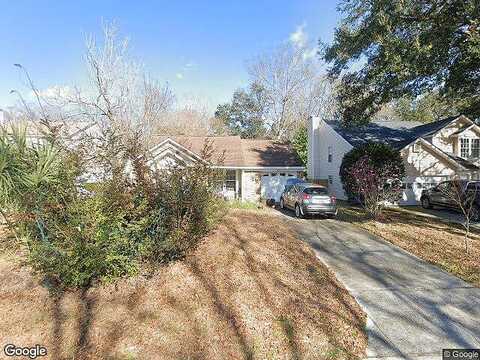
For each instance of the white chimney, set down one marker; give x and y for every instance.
(313, 147)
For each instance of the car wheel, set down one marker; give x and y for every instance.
(282, 205)
(298, 212)
(426, 203)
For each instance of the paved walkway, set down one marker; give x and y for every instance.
(445, 215)
(414, 309)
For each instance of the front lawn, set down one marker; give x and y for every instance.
(433, 240)
(250, 290)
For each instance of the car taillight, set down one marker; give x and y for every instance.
(307, 197)
(333, 199)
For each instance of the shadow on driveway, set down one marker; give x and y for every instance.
(414, 308)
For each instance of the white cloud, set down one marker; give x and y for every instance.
(299, 37)
(179, 76)
(55, 92)
(310, 53)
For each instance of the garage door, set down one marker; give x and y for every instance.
(272, 185)
(413, 187)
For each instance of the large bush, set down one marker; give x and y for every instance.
(77, 234)
(372, 174)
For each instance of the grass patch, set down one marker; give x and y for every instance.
(250, 290)
(438, 242)
(245, 205)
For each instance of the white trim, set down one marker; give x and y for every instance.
(175, 144)
(190, 154)
(467, 128)
(441, 153)
(450, 123)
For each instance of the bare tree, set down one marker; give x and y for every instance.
(294, 88)
(190, 116)
(463, 195)
(120, 94)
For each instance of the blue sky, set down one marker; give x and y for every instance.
(199, 47)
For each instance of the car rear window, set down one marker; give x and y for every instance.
(316, 191)
(473, 186)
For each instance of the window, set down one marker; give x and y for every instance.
(416, 147)
(464, 148)
(316, 191)
(230, 180)
(475, 186)
(330, 179)
(475, 148)
(330, 154)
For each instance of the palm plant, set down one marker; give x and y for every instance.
(13, 170)
(24, 170)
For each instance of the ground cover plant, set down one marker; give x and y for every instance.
(249, 290)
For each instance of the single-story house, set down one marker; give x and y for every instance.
(432, 152)
(255, 169)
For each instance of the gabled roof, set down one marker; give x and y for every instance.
(395, 133)
(232, 151)
(400, 134)
(384, 131)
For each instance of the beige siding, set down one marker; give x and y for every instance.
(251, 186)
(423, 169)
(444, 139)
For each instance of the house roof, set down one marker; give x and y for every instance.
(380, 131)
(395, 133)
(236, 152)
(399, 134)
(268, 153)
(67, 129)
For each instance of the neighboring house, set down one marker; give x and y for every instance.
(432, 152)
(71, 131)
(255, 169)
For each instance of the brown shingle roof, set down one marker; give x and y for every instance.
(268, 153)
(234, 151)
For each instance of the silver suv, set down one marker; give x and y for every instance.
(308, 199)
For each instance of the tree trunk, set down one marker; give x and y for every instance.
(466, 238)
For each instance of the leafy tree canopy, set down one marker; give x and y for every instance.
(426, 108)
(300, 144)
(244, 114)
(406, 48)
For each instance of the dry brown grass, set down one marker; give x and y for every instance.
(251, 290)
(433, 240)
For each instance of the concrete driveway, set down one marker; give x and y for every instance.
(414, 309)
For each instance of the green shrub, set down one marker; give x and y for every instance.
(372, 174)
(184, 209)
(79, 234)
